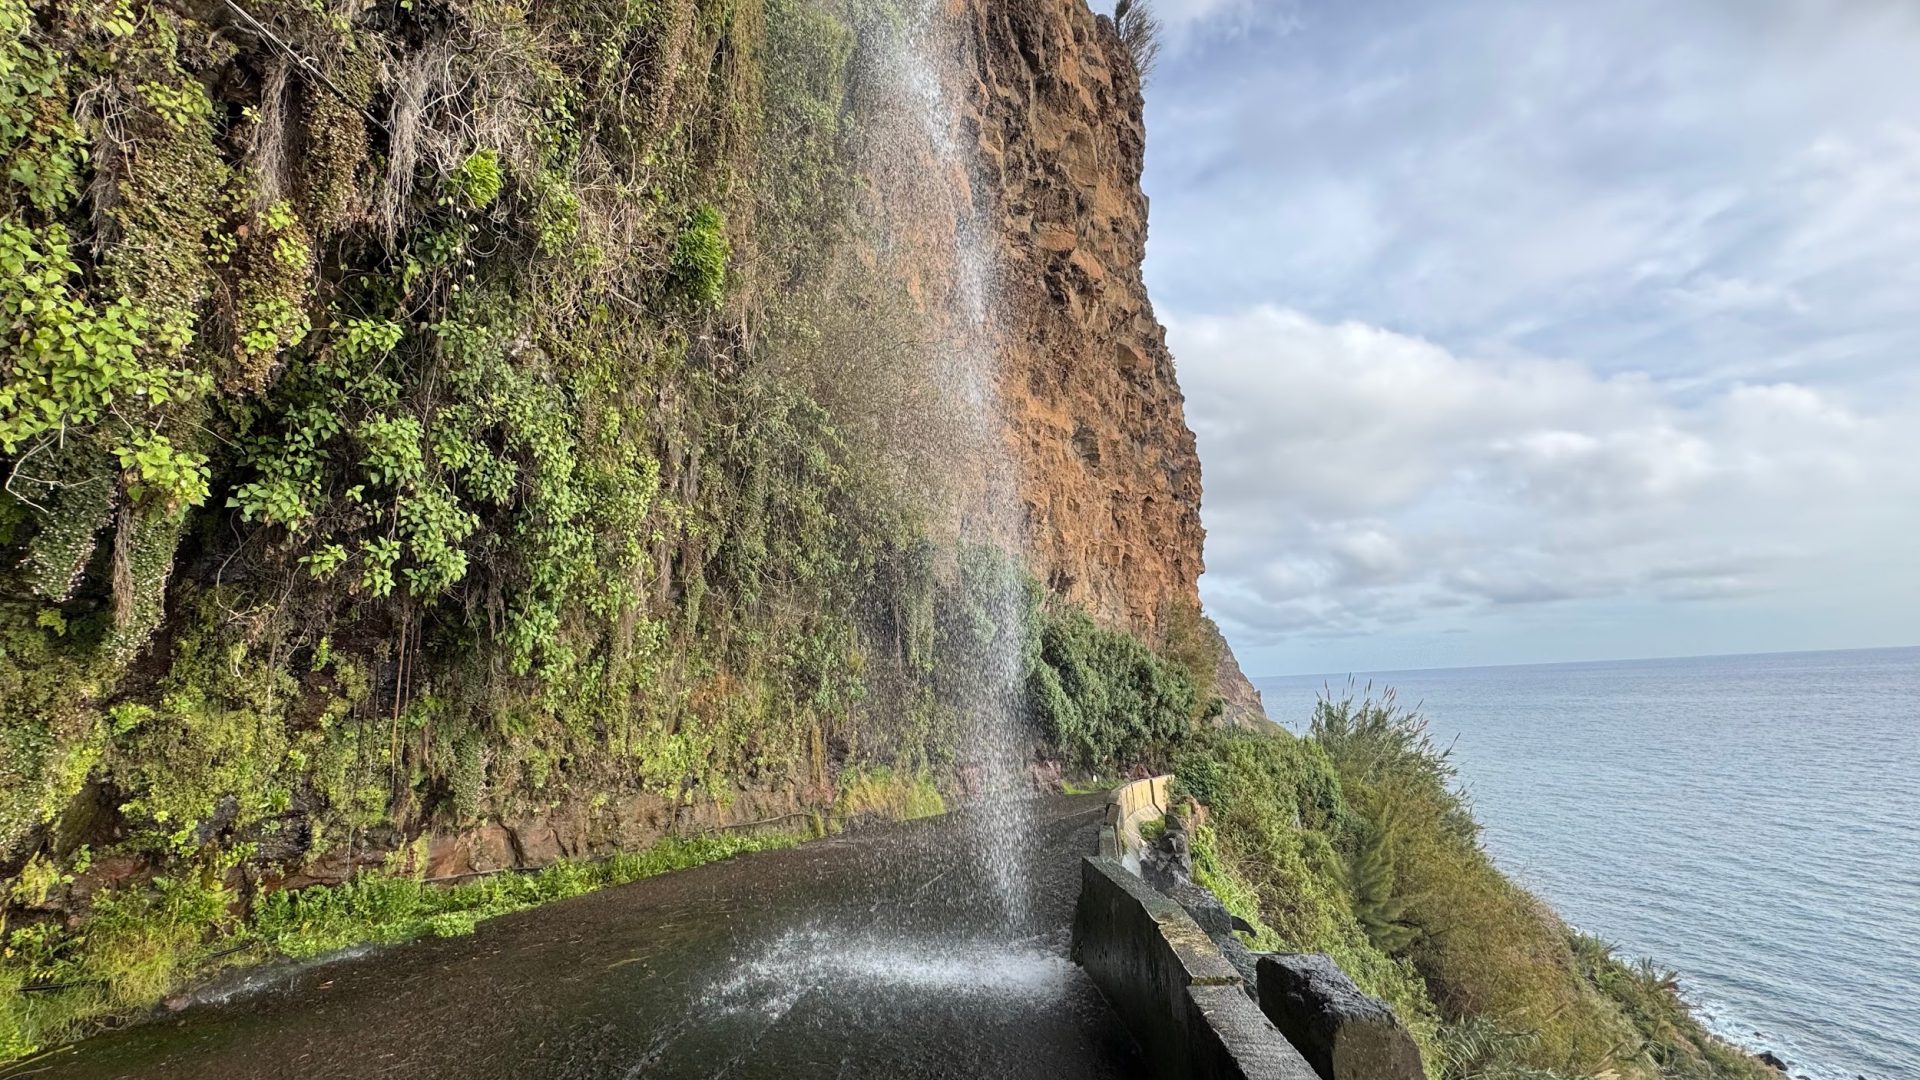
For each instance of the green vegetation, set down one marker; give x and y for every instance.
(700, 257)
(1104, 698)
(879, 794)
(384, 909)
(1092, 784)
(1354, 842)
(455, 413)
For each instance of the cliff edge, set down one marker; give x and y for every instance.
(1110, 477)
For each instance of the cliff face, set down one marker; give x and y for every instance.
(450, 437)
(1109, 475)
(524, 429)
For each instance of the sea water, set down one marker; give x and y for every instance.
(1751, 821)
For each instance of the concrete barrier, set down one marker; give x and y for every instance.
(1343, 1033)
(1187, 1007)
(1130, 806)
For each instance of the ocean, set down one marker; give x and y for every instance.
(1750, 821)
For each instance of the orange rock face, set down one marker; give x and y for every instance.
(1108, 471)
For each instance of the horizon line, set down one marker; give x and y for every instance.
(1570, 663)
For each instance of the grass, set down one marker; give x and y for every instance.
(385, 909)
(1091, 785)
(879, 793)
(1354, 842)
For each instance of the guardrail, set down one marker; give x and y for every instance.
(1128, 807)
(1187, 1007)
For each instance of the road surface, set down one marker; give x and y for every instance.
(881, 954)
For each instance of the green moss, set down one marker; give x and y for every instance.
(276, 268)
(50, 736)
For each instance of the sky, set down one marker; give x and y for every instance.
(1520, 331)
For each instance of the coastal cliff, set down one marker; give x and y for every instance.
(449, 438)
(1111, 478)
(595, 437)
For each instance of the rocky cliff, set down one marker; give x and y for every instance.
(449, 436)
(1110, 478)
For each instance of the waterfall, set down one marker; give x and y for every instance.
(932, 221)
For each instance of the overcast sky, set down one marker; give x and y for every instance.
(1524, 330)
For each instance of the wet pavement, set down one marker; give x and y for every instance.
(877, 954)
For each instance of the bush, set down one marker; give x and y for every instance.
(1271, 851)
(1485, 947)
(1103, 698)
(1140, 33)
(1353, 842)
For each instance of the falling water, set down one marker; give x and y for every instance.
(933, 225)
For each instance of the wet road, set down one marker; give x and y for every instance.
(881, 954)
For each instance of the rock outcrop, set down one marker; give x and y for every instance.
(1109, 474)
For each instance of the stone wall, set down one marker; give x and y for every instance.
(1187, 1007)
(1165, 955)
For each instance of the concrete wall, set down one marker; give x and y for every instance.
(1186, 1006)
(1130, 806)
(1343, 1033)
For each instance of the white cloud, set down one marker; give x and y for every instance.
(1524, 318)
(1359, 479)
(1709, 294)
(1631, 183)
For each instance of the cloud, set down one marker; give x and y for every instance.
(1629, 183)
(1531, 317)
(1360, 479)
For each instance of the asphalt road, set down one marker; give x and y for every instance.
(879, 954)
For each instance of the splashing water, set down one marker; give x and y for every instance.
(931, 225)
(809, 961)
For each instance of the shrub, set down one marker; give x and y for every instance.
(700, 257)
(1140, 33)
(1270, 851)
(478, 180)
(1354, 843)
(1102, 697)
(1191, 640)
